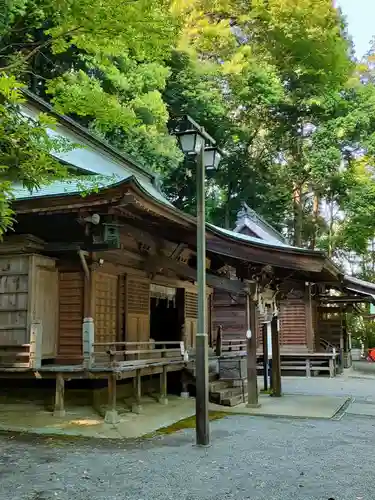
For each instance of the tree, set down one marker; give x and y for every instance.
(25, 148)
(101, 63)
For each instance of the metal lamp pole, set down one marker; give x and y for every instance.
(193, 140)
(201, 360)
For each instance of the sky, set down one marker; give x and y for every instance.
(360, 15)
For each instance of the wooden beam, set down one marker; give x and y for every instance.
(178, 250)
(158, 263)
(266, 255)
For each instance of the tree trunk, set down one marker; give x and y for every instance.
(315, 221)
(227, 208)
(330, 232)
(298, 219)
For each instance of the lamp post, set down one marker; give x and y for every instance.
(195, 141)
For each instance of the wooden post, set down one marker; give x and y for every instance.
(219, 338)
(36, 336)
(309, 318)
(251, 334)
(332, 363)
(185, 384)
(59, 410)
(276, 364)
(163, 398)
(111, 415)
(88, 335)
(265, 356)
(136, 407)
(342, 350)
(308, 367)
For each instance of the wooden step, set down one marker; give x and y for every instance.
(228, 392)
(233, 400)
(219, 385)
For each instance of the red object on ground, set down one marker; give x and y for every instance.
(371, 355)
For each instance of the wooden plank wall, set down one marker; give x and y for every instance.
(14, 299)
(46, 304)
(71, 285)
(229, 311)
(293, 326)
(105, 307)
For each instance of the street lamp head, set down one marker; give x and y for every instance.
(212, 158)
(191, 141)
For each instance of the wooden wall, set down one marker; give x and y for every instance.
(46, 302)
(105, 300)
(137, 309)
(28, 292)
(293, 322)
(14, 299)
(71, 303)
(229, 312)
(330, 325)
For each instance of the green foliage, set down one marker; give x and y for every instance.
(25, 148)
(272, 81)
(102, 63)
(362, 330)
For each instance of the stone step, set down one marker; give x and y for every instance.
(228, 392)
(218, 385)
(233, 400)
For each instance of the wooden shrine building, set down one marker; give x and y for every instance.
(104, 285)
(312, 315)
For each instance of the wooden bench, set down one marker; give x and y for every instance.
(310, 363)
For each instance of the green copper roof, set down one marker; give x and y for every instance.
(105, 165)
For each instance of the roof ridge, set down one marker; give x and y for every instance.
(255, 217)
(87, 134)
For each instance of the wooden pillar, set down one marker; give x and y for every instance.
(309, 319)
(59, 410)
(219, 338)
(185, 385)
(163, 398)
(36, 334)
(136, 407)
(111, 416)
(341, 360)
(265, 355)
(276, 363)
(347, 346)
(88, 336)
(251, 334)
(332, 367)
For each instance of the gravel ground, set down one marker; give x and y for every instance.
(250, 458)
(359, 388)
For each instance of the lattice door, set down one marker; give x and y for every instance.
(137, 297)
(106, 290)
